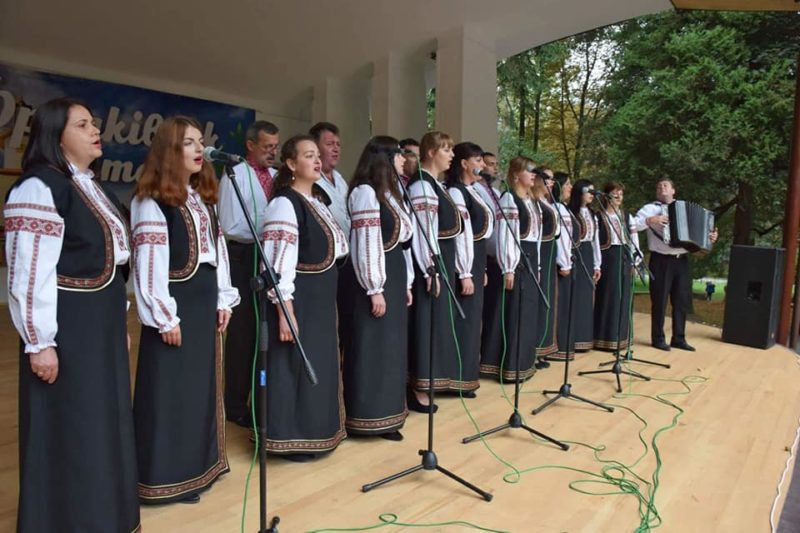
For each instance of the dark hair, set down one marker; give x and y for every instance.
(664, 178)
(319, 128)
(47, 127)
(490, 154)
(576, 198)
(461, 152)
(161, 172)
(283, 179)
(376, 168)
(257, 127)
(408, 142)
(560, 178)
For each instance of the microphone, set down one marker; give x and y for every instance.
(211, 155)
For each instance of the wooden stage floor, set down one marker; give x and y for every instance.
(720, 464)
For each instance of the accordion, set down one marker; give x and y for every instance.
(689, 226)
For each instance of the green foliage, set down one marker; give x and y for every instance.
(705, 98)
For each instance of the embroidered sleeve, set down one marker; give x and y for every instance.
(227, 294)
(156, 307)
(366, 239)
(426, 206)
(598, 257)
(409, 268)
(465, 247)
(564, 243)
(507, 234)
(634, 241)
(34, 236)
(280, 244)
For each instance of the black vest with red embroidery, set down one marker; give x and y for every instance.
(315, 243)
(478, 215)
(449, 218)
(549, 221)
(184, 251)
(524, 215)
(604, 230)
(87, 252)
(390, 226)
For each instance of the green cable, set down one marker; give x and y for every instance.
(391, 519)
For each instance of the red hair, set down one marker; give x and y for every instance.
(163, 167)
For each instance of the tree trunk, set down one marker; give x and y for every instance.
(743, 218)
(522, 98)
(537, 105)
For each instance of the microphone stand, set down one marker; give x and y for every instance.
(515, 420)
(617, 368)
(641, 268)
(261, 283)
(429, 460)
(565, 391)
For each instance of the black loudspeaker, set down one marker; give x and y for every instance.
(752, 298)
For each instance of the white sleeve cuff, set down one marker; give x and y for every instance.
(36, 348)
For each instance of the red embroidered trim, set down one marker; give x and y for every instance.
(149, 237)
(366, 223)
(36, 207)
(37, 226)
(31, 286)
(280, 235)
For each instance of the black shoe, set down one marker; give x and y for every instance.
(298, 457)
(394, 435)
(661, 345)
(414, 404)
(682, 345)
(190, 499)
(468, 394)
(242, 421)
(541, 363)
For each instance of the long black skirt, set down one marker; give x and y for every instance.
(375, 352)
(302, 418)
(583, 327)
(613, 292)
(468, 331)
(77, 457)
(546, 318)
(565, 323)
(445, 362)
(178, 406)
(519, 319)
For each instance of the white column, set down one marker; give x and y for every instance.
(345, 102)
(466, 87)
(398, 94)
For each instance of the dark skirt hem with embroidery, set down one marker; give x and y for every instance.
(611, 293)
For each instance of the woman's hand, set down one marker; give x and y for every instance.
(509, 281)
(596, 276)
(284, 332)
(173, 336)
(223, 318)
(45, 364)
(563, 273)
(467, 287)
(409, 298)
(378, 305)
(485, 279)
(432, 284)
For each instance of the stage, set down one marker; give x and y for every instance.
(720, 464)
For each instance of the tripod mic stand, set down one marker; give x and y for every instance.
(634, 254)
(515, 420)
(429, 460)
(262, 283)
(565, 391)
(625, 253)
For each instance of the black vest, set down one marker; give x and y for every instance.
(449, 217)
(478, 215)
(604, 230)
(524, 216)
(390, 226)
(87, 253)
(315, 243)
(549, 221)
(184, 250)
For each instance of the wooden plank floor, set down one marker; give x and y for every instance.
(720, 468)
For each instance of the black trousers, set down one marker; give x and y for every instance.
(240, 341)
(670, 280)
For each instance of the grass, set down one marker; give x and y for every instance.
(705, 312)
